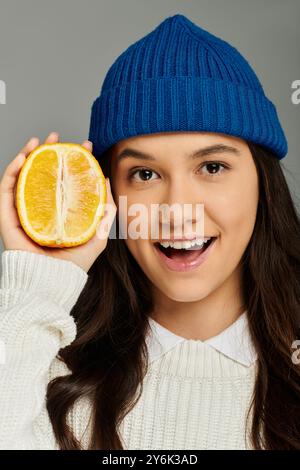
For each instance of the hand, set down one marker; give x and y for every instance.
(15, 238)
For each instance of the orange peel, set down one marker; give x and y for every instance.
(60, 195)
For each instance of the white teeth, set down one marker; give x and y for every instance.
(188, 244)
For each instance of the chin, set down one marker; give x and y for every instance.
(185, 292)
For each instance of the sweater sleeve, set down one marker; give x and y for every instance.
(37, 293)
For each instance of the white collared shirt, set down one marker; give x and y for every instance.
(234, 342)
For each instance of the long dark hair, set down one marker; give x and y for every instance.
(108, 359)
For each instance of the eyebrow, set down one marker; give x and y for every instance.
(203, 152)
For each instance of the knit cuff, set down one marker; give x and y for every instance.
(185, 104)
(60, 281)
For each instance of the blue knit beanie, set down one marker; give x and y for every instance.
(180, 77)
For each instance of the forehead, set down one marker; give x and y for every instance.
(181, 141)
(183, 146)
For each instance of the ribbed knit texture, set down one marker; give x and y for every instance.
(180, 77)
(193, 397)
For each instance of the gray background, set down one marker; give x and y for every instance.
(54, 56)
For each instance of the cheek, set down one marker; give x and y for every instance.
(237, 200)
(235, 209)
(234, 212)
(142, 252)
(136, 216)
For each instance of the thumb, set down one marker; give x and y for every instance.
(11, 173)
(9, 184)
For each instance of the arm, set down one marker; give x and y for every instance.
(37, 293)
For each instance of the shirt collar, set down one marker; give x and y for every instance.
(234, 342)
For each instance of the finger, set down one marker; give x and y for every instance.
(29, 146)
(7, 192)
(11, 173)
(88, 145)
(12, 170)
(52, 138)
(10, 177)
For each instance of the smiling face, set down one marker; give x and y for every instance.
(222, 177)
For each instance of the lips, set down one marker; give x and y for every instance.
(173, 252)
(184, 260)
(191, 238)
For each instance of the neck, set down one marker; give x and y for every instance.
(204, 318)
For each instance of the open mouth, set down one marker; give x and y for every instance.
(183, 253)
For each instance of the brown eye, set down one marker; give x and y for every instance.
(144, 173)
(213, 168)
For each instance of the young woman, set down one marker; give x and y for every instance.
(126, 343)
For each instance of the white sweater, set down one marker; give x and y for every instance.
(195, 394)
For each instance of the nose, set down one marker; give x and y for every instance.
(182, 204)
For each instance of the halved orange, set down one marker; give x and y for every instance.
(60, 195)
